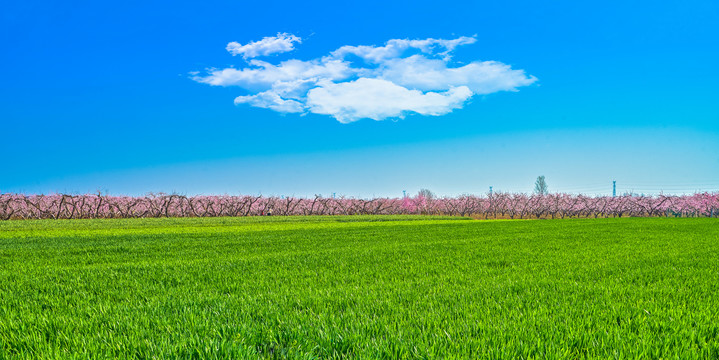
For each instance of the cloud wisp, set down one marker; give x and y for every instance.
(283, 42)
(355, 82)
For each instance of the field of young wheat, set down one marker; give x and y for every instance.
(359, 286)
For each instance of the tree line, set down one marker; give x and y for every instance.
(489, 206)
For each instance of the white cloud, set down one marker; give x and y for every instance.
(271, 100)
(283, 42)
(395, 47)
(380, 99)
(264, 75)
(354, 82)
(482, 77)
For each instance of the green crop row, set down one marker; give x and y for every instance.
(366, 287)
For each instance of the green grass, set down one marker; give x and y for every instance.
(364, 287)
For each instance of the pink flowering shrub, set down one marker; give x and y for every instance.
(497, 205)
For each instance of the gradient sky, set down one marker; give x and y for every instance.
(100, 96)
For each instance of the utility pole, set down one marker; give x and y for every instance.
(614, 188)
(490, 191)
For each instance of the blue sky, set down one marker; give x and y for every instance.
(101, 96)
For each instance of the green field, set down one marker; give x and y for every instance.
(364, 287)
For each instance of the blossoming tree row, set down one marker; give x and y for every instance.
(497, 205)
